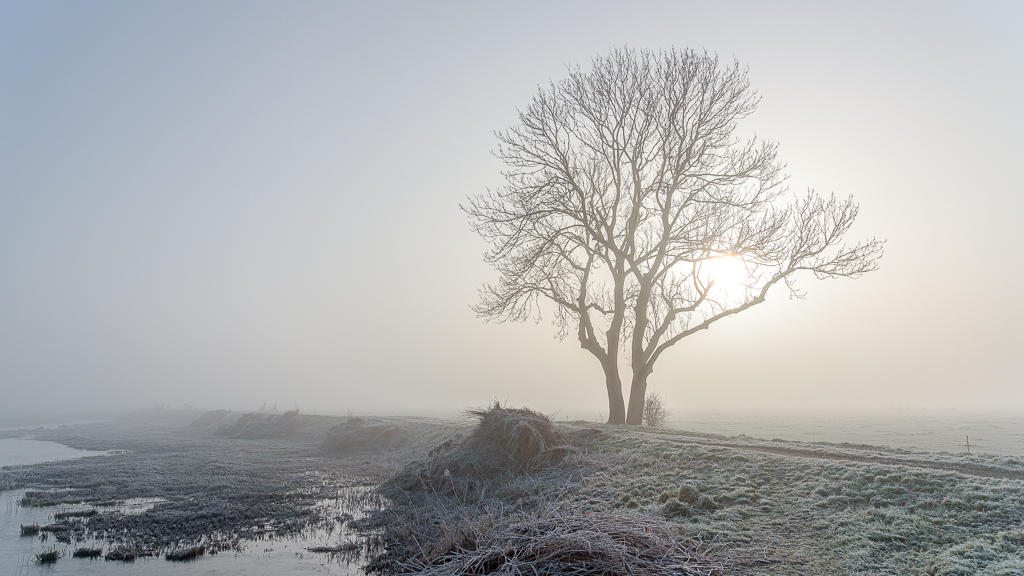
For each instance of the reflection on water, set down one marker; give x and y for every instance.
(945, 431)
(284, 556)
(22, 451)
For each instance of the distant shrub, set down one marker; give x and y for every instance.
(255, 425)
(356, 433)
(655, 411)
(210, 418)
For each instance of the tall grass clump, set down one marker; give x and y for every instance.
(506, 442)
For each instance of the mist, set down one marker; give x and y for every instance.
(245, 203)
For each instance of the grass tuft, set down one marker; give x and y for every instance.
(87, 553)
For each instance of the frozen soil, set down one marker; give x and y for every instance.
(211, 486)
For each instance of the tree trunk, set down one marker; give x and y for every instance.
(616, 406)
(637, 394)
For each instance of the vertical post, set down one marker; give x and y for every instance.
(968, 444)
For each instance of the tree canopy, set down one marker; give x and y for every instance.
(625, 186)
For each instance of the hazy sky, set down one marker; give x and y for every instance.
(231, 203)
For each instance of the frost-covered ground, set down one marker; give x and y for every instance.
(221, 483)
(798, 507)
(991, 432)
(823, 508)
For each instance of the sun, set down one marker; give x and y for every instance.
(729, 273)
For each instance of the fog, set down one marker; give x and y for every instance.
(231, 204)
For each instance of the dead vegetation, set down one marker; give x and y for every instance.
(491, 502)
(210, 418)
(656, 411)
(48, 557)
(127, 554)
(358, 434)
(76, 514)
(506, 442)
(557, 543)
(186, 554)
(86, 552)
(516, 440)
(263, 426)
(203, 488)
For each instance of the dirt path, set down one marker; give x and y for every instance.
(972, 470)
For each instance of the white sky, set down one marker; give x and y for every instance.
(231, 203)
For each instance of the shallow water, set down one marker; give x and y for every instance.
(23, 451)
(930, 431)
(28, 428)
(258, 558)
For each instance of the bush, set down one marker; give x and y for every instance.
(655, 411)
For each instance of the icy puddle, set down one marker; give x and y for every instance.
(284, 556)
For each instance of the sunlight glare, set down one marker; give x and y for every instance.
(729, 273)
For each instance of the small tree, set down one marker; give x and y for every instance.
(624, 184)
(656, 411)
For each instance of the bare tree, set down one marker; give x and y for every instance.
(623, 183)
(656, 411)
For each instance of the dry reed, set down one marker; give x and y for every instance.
(609, 544)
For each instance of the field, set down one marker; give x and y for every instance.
(824, 509)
